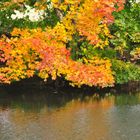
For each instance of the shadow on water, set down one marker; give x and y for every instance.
(32, 98)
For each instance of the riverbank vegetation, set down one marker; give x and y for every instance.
(87, 42)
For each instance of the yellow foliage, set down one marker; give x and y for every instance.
(35, 52)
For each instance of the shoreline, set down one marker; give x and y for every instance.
(60, 85)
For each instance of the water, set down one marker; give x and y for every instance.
(68, 115)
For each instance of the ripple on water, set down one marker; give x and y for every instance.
(50, 118)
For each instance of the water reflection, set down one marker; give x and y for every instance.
(68, 115)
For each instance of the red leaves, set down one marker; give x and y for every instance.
(44, 53)
(92, 13)
(5, 49)
(28, 54)
(87, 74)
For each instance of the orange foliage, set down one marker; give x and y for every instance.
(87, 17)
(35, 52)
(135, 54)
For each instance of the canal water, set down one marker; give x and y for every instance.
(36, 114)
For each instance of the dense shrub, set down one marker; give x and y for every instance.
(126, 29)
(86, 42)
(125, 72)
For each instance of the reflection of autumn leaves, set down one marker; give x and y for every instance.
(69, 121)
(90, 105)
(92, 102)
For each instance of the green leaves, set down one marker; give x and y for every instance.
(126, 27)
(125, 72)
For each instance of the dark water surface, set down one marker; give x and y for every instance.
(68, 115)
